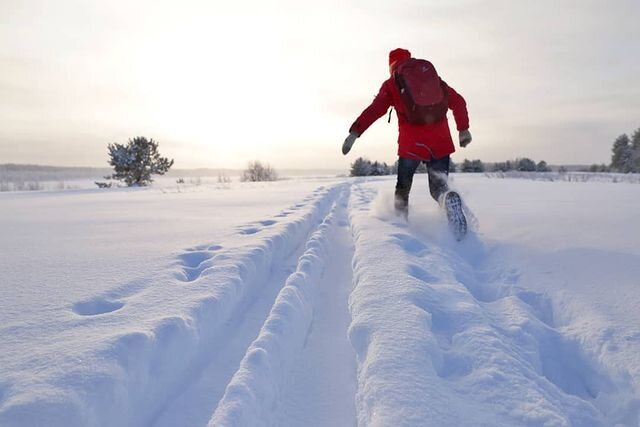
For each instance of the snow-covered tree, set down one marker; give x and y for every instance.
(502, 166)
(472, 166)
(526, 165)
(136, 161)
(361, 167)
(635, 151)
(542, 167)
(256, 172)
(622, 157)
(380, 169)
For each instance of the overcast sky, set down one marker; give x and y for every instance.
(219, 83)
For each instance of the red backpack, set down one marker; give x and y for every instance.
(423, 93)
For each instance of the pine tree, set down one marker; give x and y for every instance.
(635, 151)
(621, 159)
(135, 162)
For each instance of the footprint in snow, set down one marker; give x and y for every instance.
(410, 244)
(249, 230)
(194, 259)
(494, 288)
(253, 230)
(96, 306)
(454, 365)
(421, 274)
(195, 262)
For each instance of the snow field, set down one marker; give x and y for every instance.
(332, 311)
(255, 388)
(443, 337)
(130, 377)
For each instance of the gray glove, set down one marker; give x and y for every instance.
(348, 143)
(464, 137)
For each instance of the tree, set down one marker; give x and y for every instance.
(379, 169)
(472, 166)
(622, 157)
(361, 167)
(257, 172)
(452, 166)
(502, 166)
(526, 165)
(136, 161)
(542, 167)
(635, 151)
(422, 168)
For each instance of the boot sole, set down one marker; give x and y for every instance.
(455, 215)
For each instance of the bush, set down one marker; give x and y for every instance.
(472, 166)
(364, 167)
(525, 165)
(542, 167)
(256, 172)
(135, 162)
(223, 178)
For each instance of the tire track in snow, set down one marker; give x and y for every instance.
(257, 387)
(195, 397)
(322, 385)
(440, 343)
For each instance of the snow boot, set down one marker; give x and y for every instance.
(401, 204)
(455, 215)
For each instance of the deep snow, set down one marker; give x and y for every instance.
(307, 302)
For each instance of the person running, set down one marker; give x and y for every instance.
(421, 100)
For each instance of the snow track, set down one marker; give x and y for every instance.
(443, 339)
(255, 388)
(144, 370)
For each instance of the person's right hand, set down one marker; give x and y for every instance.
(465, 138)
(348, 143)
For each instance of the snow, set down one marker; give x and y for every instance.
(308, 302)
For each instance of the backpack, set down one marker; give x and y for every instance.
(423, 93)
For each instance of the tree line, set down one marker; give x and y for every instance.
(625, 158)
(523, 164)
(365, 167)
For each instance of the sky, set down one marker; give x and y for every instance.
(220, 83)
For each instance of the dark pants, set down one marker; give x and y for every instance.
(438, 171)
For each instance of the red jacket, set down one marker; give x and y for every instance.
(415, 141)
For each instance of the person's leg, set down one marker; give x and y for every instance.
(438, 171)
(449, 200)
(406, 169)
